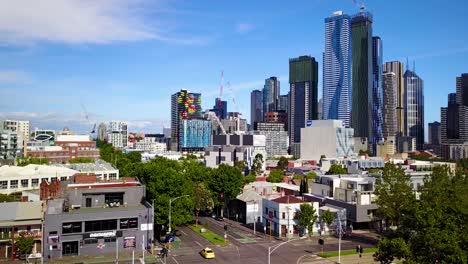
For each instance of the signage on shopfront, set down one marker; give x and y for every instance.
(113, 233)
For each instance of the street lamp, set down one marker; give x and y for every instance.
(340, 233)
(170, 210)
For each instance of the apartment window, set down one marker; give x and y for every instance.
(63, 178)
(266, 210)
(274, 213)
(3, 185)
(100, 225)
(24, 183)
(128, 223)
(14, 184)
(112, 176)
(34, 182)
(284, 215)
(114, 198)
(109, 240)
(90, 241)
(52, 233)
(53, 179)
(73, 227)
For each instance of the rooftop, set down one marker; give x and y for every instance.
(98, 165)
(33, 170)
(72, 138)
(287, 199)
(20, 211)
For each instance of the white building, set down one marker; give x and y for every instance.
(15, 138)
(279, 215)
(326, 137)
(117, 134)
(172, 155)
(17, 179)
(149, 144)
(276, 138)
(102, 169)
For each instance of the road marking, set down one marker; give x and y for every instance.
(175, 260)
(183, 232)
(198, 243)
(299, 259)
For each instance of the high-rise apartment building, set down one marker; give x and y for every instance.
(303, 79)
(362, 103)
(377, 94)
(389, 111)
(337, 68)
(102, 131)
(414, 107)
(117, 134)
(454, 117)
(271, 93)
(194, 134)
(434, 133)
(220, 108)
(277, 141)
(256, 107)
(283, 103)
(14, 138)
(184, 105)
(396, 67)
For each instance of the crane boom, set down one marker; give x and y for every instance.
(212, 116)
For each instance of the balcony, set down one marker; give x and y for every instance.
(5, 235)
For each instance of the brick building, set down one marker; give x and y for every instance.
(66, 147)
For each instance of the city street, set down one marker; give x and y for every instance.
(245, 247)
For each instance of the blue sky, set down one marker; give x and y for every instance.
(122, 59)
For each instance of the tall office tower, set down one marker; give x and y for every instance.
(462, 89)
(454, 117)
(220, 108)
(303, 79)
(271, 93)
(389, 111)
(320, 109)
(283, 103)
(377, 94)
(256, 107)
(434, 133)
(184, 105)
(117, 134)
(397, 68)
(102, 130)
(414, 107)
(361, 32)
(337, 69)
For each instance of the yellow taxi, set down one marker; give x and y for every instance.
(207, 253)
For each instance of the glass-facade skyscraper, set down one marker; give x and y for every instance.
(377, 94)
(256, 107)
(303, 106)
(220, 108)
(271, 93)
(396, 68)
(195, 134)
(361, 35)
(184, 105)
(337, 66)
(414, 107)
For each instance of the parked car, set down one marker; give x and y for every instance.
(168, 239)
(207, 253)
(219, 218)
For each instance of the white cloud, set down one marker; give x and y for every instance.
(83, 21)
(13, 76)
(244, 28)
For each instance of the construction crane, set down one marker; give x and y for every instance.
(220, 103)
(237, 118)
(93, 130)
(212, 116)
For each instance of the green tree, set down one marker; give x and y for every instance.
(226, 183)
(307, 217)
(375, 170)
(282, 163)
(6, 198)
(275, 176)
(31, 160)
(202, 199)
(390, 249)
(240, 165)
(24, 243)
(364, 152)
(327, 217)
(134, 157)
(249, 178)
(311, 175)
(81, 160)
(257, 164)
(336, 169)
(395, 197)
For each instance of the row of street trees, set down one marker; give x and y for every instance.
(431, 229)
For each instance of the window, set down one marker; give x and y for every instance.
(101, 225)
(112, 176)
(53, 179)
(284, 215)
(63, 178)
(90, 241)
(3, 185)
(24, 183)
(73, 227)
(13, 184)
(109, 240)
(52, 233)
(128, 223)
(114, 198)
(34, 182)
(274, 213)
(418, 186)
(266, 210)
(89, 202)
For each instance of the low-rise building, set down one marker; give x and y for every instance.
(94, 218)
(102, 169)
(20, 218)
(17, 179)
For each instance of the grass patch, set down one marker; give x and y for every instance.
(330, 254)
(209, 235)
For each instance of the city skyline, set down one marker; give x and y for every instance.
(48, 72)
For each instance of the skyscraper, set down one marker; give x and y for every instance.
(220, 108)
(361, 32)
(303, 79)
(462, 89)
(454, 117)
(434, 133)
(337, 65)
(256, 107)
(271, 93)
(389, 111)
(414, 107)
(396, 67)
(102, 130)
(184, 105)
(117, 134)
(377, 96)
(283, 103)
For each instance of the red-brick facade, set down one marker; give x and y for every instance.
(70, 150)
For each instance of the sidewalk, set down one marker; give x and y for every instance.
(101, 259)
